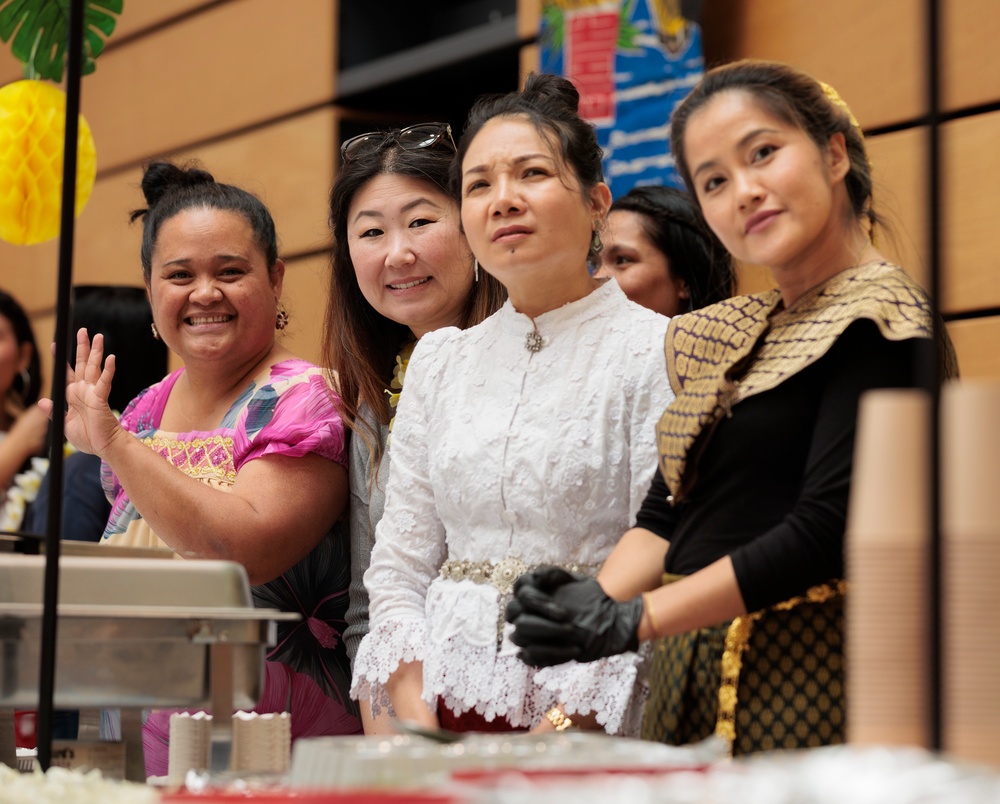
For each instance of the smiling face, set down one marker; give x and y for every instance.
(214, 298)
(770, 194)
(523, 209)
(639, 267)
(411, 261)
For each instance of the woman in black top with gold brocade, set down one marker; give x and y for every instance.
(748, 512)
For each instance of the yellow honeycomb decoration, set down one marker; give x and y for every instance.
(32, 126)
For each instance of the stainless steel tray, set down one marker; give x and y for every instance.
(133, 632)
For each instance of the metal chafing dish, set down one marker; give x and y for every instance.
(134, 633)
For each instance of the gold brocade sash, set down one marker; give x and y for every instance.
(737, 639)
(727, 352)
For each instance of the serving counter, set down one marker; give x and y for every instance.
(135, 633)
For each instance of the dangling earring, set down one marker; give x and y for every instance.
(156, 334)
(475, 263)
(596, 245)
(281, 319)
(25, 380)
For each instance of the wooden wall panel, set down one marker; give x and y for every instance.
(529, 61)
(305, 292)
(289, 165)
(529, 18)
(234, 65)
(139, 16)
(10, 68)
(971, 202)
(900, 196)
(29, 273)
(970, 69)
(976, 344)
(871, 52)
(135, 17)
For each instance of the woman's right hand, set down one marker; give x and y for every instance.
(405, 687)
(91, 426)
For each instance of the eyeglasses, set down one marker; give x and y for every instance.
(411, 138)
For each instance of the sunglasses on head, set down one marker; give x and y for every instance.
(411, 138)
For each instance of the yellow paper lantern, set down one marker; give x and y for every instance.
(32, 127)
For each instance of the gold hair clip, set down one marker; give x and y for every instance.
(838, 101)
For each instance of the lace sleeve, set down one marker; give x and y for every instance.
(410, 538)
(650, 396)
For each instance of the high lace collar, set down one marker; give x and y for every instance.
(603, 298)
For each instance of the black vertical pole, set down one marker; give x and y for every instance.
(933, 372)
(46, 687)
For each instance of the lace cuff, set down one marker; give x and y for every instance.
(613, 689)
(388, 644)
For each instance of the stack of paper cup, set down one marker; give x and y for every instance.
(262, 743)
(887, 543)
(190, 741)
(970, 486)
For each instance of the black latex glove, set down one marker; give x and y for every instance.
(558, 617)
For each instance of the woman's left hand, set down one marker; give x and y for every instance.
(90, 425)
(558, 617)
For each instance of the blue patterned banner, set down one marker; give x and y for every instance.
(633, 62)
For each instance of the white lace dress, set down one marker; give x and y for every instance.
(504, 458)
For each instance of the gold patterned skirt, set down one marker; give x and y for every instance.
(773, 679)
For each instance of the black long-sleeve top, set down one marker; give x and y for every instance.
(772, 482)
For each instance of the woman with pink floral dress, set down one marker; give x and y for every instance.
(252, 429)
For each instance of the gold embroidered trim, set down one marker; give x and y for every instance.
(737, 639)
(179, 454)
(502, 574)
(708, 349)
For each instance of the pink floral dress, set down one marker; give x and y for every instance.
(285, 410)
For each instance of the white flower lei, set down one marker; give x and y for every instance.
(23, 490)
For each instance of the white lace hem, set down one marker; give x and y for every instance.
(383, 649)
(470, 677)
(611, 688)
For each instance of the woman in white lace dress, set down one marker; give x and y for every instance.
(527, 439)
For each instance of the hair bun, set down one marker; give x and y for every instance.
(545, 89)
(160, 178)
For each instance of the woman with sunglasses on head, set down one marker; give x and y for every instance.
(659, 250)
(401, 268)
(737, 558)
(524, 440)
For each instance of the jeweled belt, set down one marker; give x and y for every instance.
(501, 575)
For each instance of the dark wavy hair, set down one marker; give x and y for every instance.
(674, 225)
(551, 104)
(22, 393)
(794, 97)
(170, 189)
(359, 343)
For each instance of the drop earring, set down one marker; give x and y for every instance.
(475, 264)
(596, 245)
(156, 334)
(281, 319)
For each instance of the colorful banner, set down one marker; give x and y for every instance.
(633, 61)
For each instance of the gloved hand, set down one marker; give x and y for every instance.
(559, 617)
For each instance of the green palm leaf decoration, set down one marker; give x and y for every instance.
(554, 25)
(40, 32)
